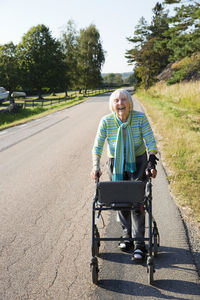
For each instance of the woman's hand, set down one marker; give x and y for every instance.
(96, 174)
(151, 166)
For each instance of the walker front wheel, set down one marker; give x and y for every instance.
(150, 274)
(156, 242)
(150, 269)
(96, 243)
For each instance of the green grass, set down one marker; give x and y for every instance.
(26, 114)
(176, 121)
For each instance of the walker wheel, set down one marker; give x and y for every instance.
(150, 274)
(150, 269)
(96, 243)
(94, 270)
(155, 245)
(155, 242)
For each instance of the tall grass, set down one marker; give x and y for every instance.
(187, 95)
(175, 113)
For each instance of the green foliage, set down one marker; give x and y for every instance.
(41, 59)
(9, 70)
(41, 62)
(178, 76)
(186, 69)
(166, 39)
(90, 58)
(69, 42)
(150, 54)
(113, 80)
(184, 29)
(130, 80)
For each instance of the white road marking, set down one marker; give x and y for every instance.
(3, 132)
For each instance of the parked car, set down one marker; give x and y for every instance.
(18, 95)
(3, 94)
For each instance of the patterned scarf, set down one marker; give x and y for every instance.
(130, 164)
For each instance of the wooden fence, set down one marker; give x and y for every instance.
(51, 101)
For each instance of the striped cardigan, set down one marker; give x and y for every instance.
(141, 132)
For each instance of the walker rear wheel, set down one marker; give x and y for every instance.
(94, 270)
(150, 269)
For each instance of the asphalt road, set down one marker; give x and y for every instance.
(45, 219)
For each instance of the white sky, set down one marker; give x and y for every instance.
(114, 19)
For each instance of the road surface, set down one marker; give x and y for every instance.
(45, 218)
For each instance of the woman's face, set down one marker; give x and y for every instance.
(121, 106)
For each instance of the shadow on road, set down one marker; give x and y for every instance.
(168, 258)
(174, 258)
(137, 289)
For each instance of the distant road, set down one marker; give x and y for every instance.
(45, 218)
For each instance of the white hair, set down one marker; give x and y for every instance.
(116, 94)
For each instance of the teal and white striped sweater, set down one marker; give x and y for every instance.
(141, 132)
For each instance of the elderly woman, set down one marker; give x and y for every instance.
(128, 134)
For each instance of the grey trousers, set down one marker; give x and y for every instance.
(133, 222)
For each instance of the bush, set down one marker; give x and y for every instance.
(187, 69)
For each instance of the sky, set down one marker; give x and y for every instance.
(114, 19)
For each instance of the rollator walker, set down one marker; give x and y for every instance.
(124, 195)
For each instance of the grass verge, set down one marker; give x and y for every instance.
(27, 114)
(174, 111)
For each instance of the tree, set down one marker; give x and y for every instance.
(90, 58)
(118, 81)
(184, 28)
(150, 53)
(41, 60)
(131, 80)
(9, 71)
(108, 79)
(69, 41)
(139, 38)
(113, 79)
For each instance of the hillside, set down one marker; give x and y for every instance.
(185, 69)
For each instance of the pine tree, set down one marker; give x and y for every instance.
(150, 53)
(184, 28)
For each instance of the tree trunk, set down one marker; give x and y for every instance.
(40, 94)
(147, 80)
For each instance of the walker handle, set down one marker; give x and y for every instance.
(98, 176)
(149, 175)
